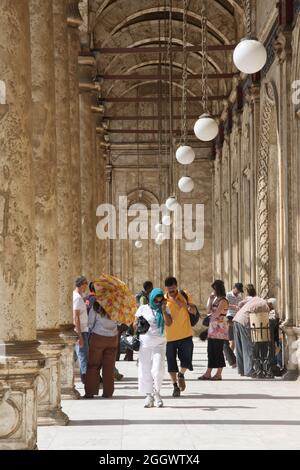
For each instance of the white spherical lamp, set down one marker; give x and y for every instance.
(166, 220)
(138, 244)
(171, 203)
(185, 155)
(186, 184)
(159, 228)
(159, 239)
(249, 56)
(206, 128)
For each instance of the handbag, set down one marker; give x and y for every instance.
(193, 318)
(142, 326)
(131, 340)
(206, 320)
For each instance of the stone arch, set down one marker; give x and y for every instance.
(146, 263)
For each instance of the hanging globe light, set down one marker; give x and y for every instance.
(159, 228)
(206, 128)
(250, 55)
(159, 239)
(166, 220)
(186, 184)
(185, 155)
(171, 203)
(138, 244)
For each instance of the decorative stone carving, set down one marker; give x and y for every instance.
(247, 173)
(235, 186)
(49, 380)
(262, 191)
(226, 196)
(10, 414)
(282, 46)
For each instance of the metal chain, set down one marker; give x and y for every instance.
(184, 76)
(138, 139)
(247, 8)
(169, 54)
(204, 55)
(159, 110)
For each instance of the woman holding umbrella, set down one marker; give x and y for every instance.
(114, 304)
(102, 352)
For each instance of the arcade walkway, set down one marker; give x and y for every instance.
(236, 413)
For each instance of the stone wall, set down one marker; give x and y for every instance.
(256, 186)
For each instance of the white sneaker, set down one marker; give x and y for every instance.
(158, 401)
(149, 401)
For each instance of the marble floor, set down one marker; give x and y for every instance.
(235, 413)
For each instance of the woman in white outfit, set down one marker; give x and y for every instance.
(153, 348)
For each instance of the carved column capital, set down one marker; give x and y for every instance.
(74, 18)
(283, 46)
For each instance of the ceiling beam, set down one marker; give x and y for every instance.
(149, 118)
(153, 99)
(159, 50)
(138, 131)
(136, 76)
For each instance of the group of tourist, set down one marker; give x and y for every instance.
(169, 336)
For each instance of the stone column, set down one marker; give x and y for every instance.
(100, 246)
(87, 158)
(74, 21)
(64, 198)
(46, 233)
(20, 358)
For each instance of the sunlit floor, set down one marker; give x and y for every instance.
(236, 413)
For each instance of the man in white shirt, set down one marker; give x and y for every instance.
(80, 320)
(233, 297)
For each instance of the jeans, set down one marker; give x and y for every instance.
(83, 354)
(229, 354)
(244, 349)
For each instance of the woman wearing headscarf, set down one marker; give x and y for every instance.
(153, 348)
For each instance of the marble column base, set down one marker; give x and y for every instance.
(289, 362)
(49, 380)
(296, 352)
(20, 364)
(68, 390)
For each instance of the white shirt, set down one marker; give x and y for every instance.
(153, 337)
(79, 304)
(233, 300)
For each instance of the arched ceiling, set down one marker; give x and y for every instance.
(143, 23)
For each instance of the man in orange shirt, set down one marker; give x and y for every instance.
(179, 334)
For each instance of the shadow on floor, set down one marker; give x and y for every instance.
(208, 395)
(128, 422)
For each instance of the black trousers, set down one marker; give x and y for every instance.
(215, 353)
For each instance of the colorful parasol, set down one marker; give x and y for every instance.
(116, 298)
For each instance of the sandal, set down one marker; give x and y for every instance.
(204, 377)
(215, 377)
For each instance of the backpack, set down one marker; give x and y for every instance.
(193, 318)
(138, 297)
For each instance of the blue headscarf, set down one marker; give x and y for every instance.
(159, 318)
